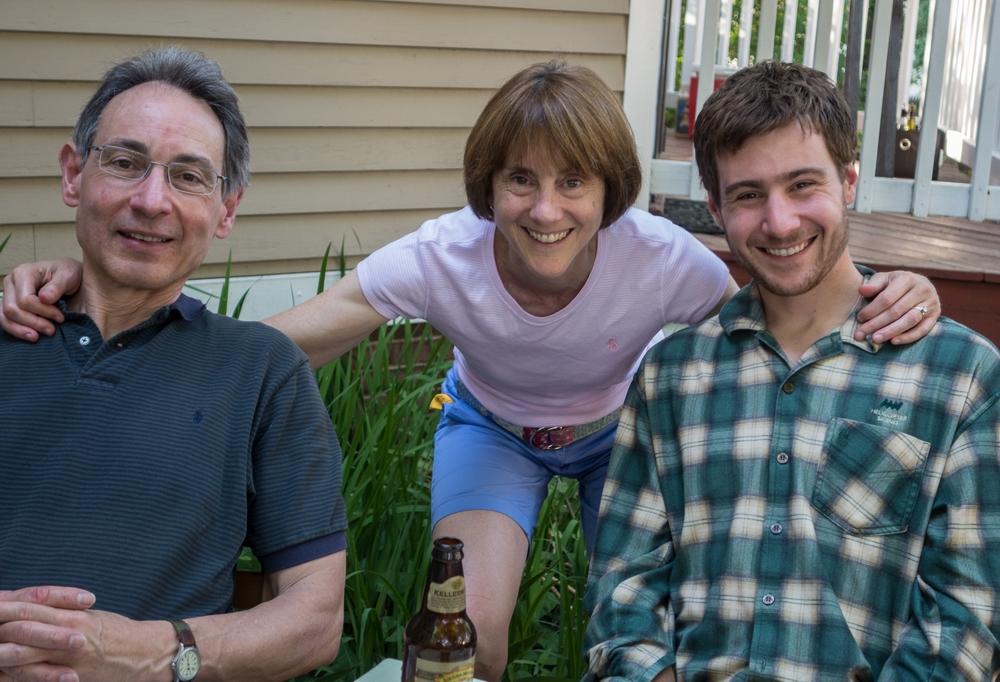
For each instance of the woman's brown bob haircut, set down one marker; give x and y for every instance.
(768, 97)
(560, 110)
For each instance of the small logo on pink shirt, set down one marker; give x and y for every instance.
(612, 345)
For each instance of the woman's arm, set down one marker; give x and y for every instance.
(897, 313)
(327, 326)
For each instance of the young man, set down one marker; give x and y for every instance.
(785, 502)
(148, 439)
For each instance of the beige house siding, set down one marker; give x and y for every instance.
(358, 111)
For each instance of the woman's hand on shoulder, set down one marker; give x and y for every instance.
(905, 310)
(30, 294)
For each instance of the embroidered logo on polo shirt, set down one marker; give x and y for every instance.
(888, 412)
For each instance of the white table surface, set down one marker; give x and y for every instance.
(389, 670)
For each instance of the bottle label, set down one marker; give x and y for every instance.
(447, 597)
(433, 671)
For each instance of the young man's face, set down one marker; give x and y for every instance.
(783, 205)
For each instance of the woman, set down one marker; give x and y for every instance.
(551, 289)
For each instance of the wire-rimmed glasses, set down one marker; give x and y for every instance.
(129, 164)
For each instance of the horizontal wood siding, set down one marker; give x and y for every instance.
(358, 110)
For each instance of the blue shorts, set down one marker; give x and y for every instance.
(479, 465)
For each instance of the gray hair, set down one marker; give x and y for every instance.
(195, 74)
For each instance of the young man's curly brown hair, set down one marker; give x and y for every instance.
(764, 98)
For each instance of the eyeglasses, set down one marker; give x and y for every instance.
(129, 164)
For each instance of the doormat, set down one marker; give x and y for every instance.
(693, 216)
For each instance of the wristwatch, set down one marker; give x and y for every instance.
(187, 662)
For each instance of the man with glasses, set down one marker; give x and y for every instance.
(148, 439)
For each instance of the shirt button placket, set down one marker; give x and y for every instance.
(768, 599)
(782, 458)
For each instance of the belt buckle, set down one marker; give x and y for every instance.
(546, 432)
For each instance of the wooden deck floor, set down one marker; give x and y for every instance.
(941, 246)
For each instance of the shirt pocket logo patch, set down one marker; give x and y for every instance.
(869, 477)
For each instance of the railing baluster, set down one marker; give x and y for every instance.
(986, 131)
(765, 29)
(706, 82)
(873, 105)
(933, 82)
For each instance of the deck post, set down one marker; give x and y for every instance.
(642, 71)
(825, 40)
(788, 31)
(873, 105)
(986, 131)
(706, 82)
(765, 29)
(933, 82)
(746, 28)
(809, 45)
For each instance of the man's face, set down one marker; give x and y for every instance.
(783, 206)
(145, 235)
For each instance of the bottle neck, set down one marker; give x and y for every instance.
(444, 592)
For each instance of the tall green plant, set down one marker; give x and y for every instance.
(378, 397)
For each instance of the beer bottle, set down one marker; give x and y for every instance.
(439, 644)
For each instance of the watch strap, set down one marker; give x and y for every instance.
(184, 632)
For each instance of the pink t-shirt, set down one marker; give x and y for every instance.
(568, 368)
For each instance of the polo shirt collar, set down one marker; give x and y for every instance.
(188, 308)
(745, 312)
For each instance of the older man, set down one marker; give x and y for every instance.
(148, 439)
(785, 502)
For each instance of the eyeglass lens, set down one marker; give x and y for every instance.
(129, 164)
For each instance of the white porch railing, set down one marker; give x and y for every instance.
(961, 90)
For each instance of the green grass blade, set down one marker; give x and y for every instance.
(239, 304)
(322, 270)
(224, 296)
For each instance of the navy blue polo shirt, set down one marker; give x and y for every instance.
(137, 467)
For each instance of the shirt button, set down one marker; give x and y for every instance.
(782, 458)
(84, 340)
(768, 599)
(776, 528)
(788, 387)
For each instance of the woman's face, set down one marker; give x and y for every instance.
(547, 218)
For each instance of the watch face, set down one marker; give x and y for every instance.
(188, 664)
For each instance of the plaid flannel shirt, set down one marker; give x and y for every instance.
(835, 520)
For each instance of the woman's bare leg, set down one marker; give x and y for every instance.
(495, 551)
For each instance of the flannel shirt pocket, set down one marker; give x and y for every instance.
(869, 477)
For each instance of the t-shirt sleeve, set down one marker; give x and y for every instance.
(694, 279)
(393, 280)
(295, 482)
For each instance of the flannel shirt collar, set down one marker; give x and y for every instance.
(744, 312)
